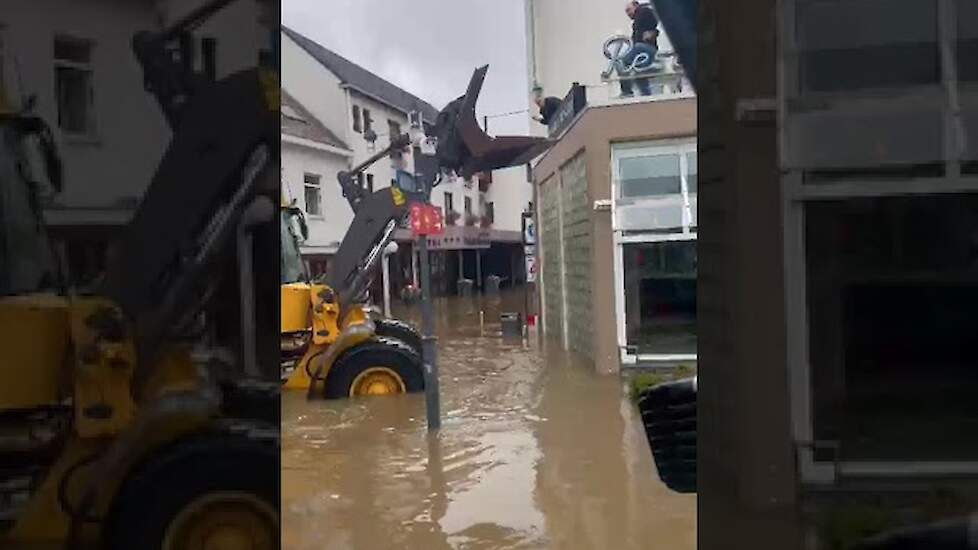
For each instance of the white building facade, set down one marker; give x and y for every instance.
(622, 177)
(76, 60)
(364, 111)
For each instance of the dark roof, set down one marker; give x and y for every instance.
(299, 122)
(363, 80)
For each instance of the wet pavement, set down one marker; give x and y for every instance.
(535, 451)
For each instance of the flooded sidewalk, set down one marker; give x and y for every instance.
(535, 451)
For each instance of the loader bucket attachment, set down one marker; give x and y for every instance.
(465, 147)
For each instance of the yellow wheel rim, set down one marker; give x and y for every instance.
(377, 381)
(224, 521)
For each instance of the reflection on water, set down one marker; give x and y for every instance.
(535, 451)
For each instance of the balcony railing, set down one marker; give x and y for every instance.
(664, 75)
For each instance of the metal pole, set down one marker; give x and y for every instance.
(526, 278)
(386, 266)
(429, 349)
(478, 269)
(414, 268)
(461, 267)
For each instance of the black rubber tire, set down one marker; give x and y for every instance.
(669, 416)
(175, 476)
(395, 328)
(378, 351)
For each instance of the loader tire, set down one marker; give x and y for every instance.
(395, 328)
(223, 485)
(379, 366)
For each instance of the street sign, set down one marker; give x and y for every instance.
(529, 229)
(426, 219)
(531, 269)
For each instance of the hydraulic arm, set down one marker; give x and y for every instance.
(460, 145)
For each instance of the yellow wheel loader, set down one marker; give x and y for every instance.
(377, 355)
(329, 335)
(144, 415)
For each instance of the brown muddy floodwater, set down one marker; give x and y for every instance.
(535, 451)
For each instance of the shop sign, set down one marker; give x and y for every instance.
(426, 220)
(574, 102)
(529, 229)
(531, 269)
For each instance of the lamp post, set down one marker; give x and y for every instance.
(389, 250)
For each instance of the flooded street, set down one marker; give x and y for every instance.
(535, 451)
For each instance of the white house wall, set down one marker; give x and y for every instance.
(510, 193)
(236, 27)
(117, 162)
(326, 231)
(322, 93)
(131, 134)
(317, 89)
(564, 42)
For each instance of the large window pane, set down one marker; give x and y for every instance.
(660, 297)
(691, 172)
(967, 40)
(652, 175)
(892, 302)
(859, 44)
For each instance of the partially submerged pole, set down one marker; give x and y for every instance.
(429, 348)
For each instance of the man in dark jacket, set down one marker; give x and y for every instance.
(645, 36)
(548, 108)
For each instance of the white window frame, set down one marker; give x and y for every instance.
(318, 186)
(4, 92)
(680, 147)
(91, 131)
(795, 195)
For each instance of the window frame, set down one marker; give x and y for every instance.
(91, 125)
(687, 201)
(357, 124)
(318, 188)
(687, 232)
(368, 121)
(3, 62)
(797, 194)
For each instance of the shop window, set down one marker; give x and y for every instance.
(654, 187)
(967, 48)
(660, 297)
(73, 84)
(691, 172)
(649, 176)
(892, 291)
(313, 194)
(847, 45)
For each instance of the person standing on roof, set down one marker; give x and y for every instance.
(645, 36)
(548, 108)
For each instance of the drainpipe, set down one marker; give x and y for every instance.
(531, 44)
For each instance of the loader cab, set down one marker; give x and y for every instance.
(27, 263)
(293, 231)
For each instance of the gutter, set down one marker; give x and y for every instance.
(347, 86)
(319, 146)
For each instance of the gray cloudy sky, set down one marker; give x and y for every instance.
(428, 47)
